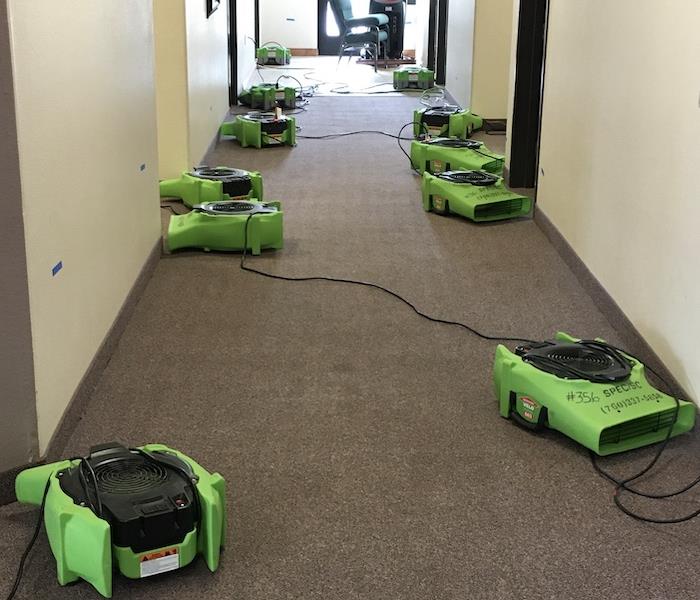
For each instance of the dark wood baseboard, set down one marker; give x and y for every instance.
(632, 340)
(81, 397)
(304, 51)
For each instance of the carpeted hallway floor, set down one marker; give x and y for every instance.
(363, 450)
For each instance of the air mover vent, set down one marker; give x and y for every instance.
(503, 208)
(478, 178)
(220, 173)
(455, 143)
(231, 207)
(129, 476)
(234, 207)
(657, 423)
(589, 360)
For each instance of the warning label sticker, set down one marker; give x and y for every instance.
(160, 562)
(413, 76)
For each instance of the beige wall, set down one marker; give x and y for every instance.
(207, 75)
(493, 31)
(171, 87)
(619, 161)
(299, 32)
(192, 77)
(85, 101)
(460, 50)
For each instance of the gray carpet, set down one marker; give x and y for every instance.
(362, 446)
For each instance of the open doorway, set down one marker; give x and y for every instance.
(402, 24)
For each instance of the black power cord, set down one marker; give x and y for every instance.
(621, 485)
(30, 545)
(368, 284)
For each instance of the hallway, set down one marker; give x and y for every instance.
(362, 447)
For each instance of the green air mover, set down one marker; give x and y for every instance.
(142, 510)
(262, 129)
(591, 392)
(266, 96)
(213, 184)
(413, 78)
(222, 226)
(477, 195)
(273, 53)
(448, 121)
(446, 154)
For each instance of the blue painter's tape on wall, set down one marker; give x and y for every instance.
(56, 268)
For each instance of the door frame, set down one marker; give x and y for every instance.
(232, 55)
(437, 39)
(326, 45)
(530, 63)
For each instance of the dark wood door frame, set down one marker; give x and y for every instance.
(437, 39)
(529, 83)
(232, 55)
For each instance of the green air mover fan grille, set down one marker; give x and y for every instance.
(454, 143)
(652, 424)
(477, 178)
(583, 360)
(220, 173)
(499, 210)
(129, 476)
(234, 208)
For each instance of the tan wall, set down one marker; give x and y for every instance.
(493, 31)
(171, 87)
(207, 75)
(192, 78)
(619, 160)
(460, 50)
(86, 118)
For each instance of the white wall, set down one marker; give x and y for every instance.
(85, 102)
(422, 26)
(460, 50)
(292, 24)
(493, 31)
(619, 160)
(245, 44)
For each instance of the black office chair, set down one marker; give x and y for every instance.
(375, 33)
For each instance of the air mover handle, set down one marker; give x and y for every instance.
(31, 483)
